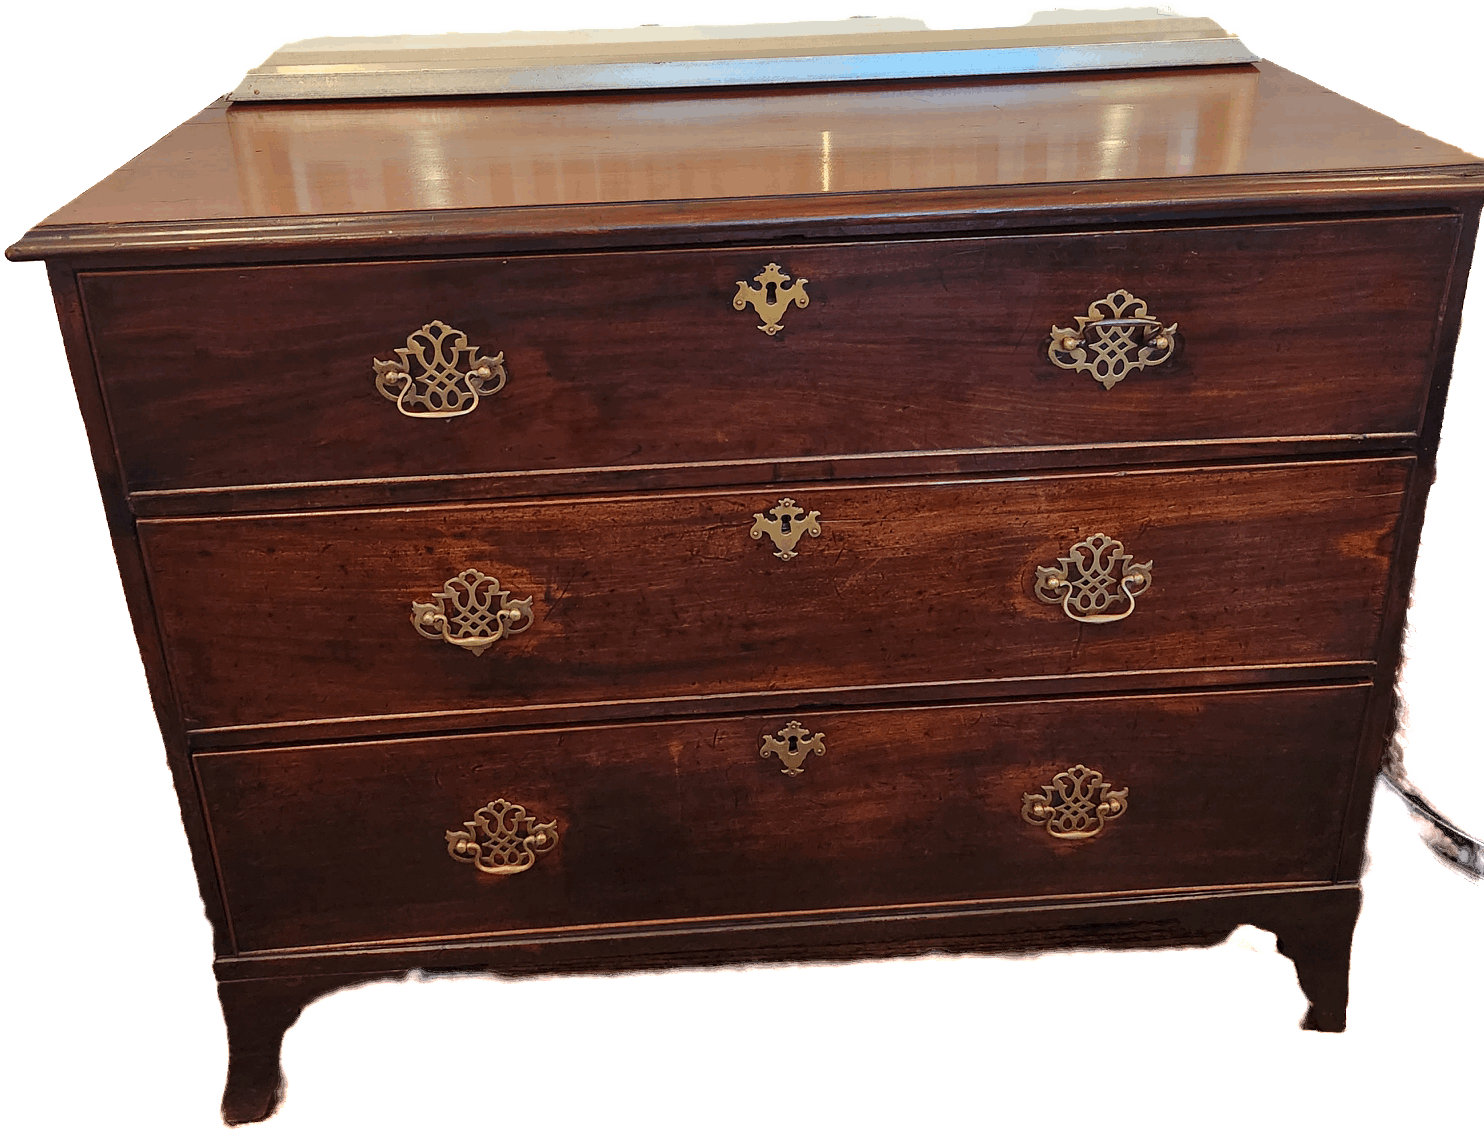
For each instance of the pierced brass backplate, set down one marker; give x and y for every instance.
(785, 523)
(1076, 804)
(438, 374)
(793, 744)
(473, 612)
(1114, 339)
(770, 298)
(1094, 577)
(501, 839)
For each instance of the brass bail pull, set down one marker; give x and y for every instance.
(1095, 581)
(1115, 338)
(501, 839)
(1077, 804)
(472, 612)
(438, 374)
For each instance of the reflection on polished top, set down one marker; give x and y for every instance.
(548, 151)
(327, 158)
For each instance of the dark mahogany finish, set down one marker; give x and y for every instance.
(686, 821)
(668, 596)
(223, 295)
(687, 167)
(639, 359)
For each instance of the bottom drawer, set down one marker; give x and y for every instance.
(650, 821)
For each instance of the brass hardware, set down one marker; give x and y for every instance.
(438, 374)
(785, 524)
(1115, 338)
(1076, 804)
(495, 843)
(770, 298)
(793, 744)
(1092, 576)
(473, 612)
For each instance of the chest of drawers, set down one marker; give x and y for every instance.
(593, 534)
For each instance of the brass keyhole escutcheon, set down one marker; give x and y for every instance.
(785, 524)
(792, 745)
(771, 297)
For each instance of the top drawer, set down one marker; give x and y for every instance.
(266, 375)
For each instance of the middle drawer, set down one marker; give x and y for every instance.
(282, 618)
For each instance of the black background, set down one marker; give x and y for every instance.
(110, 928)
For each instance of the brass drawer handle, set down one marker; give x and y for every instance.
(1116, 338)
(1076, 805)
(438, 374)
(501, 839)
(785, 523)
(1092, 577)
(473, 612)
(793, 744)
(771, 296)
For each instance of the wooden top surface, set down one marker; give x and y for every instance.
(273, 166)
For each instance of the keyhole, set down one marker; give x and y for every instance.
(772, 293)
(784, 523)
(793, 745)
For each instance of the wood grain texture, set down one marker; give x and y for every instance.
(639, 361)
(129, 560)
(1319, 946)
(1380, 713)
(750, 220)
(786, 474)
(1026, 926)
(1318, 919)
(257, 1012)
(345, 844)
(377, 1054)
(300, 617)
(491, 714)
(505, 154)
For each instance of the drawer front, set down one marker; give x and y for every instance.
(263, 375)
(662, 821)
(300, 617)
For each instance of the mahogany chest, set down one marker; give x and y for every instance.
(947, 481)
